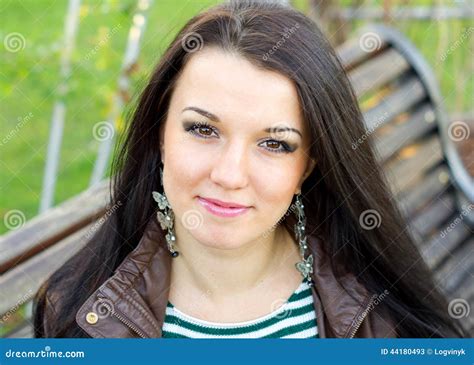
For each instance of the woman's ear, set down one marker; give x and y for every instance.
(308, 171)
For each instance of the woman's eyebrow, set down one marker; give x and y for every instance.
(203, 113)
(214, 118)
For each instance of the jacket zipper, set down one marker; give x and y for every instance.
(125, 321)
(366, 313)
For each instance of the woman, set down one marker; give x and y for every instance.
(240, 198)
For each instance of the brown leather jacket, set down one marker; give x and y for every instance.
(132, 302)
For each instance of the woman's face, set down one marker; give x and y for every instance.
(223, 140)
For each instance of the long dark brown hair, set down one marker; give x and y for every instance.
(343, 184)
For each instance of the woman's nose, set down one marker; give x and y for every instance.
(230, 168)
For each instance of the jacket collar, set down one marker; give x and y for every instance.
(132, 302)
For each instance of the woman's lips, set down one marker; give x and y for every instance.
(221, 211)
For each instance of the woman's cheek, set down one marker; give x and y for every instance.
(188, 164)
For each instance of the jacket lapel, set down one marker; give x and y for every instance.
(132, 302)
(337, 310)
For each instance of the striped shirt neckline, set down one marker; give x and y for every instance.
(296, 318)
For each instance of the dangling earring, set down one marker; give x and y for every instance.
(167, 219)
(305, 267)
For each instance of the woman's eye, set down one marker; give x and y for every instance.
(201, 130)
(278, 146)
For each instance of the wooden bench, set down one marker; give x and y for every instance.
(403, 110)
(29, 255)
(403, 113)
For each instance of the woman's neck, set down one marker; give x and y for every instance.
(222, 274)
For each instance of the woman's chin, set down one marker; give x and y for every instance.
(221, 240)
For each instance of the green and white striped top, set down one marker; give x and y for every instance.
(296, 318)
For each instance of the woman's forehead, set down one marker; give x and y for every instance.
(230, 86)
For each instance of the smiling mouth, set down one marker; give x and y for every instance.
(225, 204)
(222, 211)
